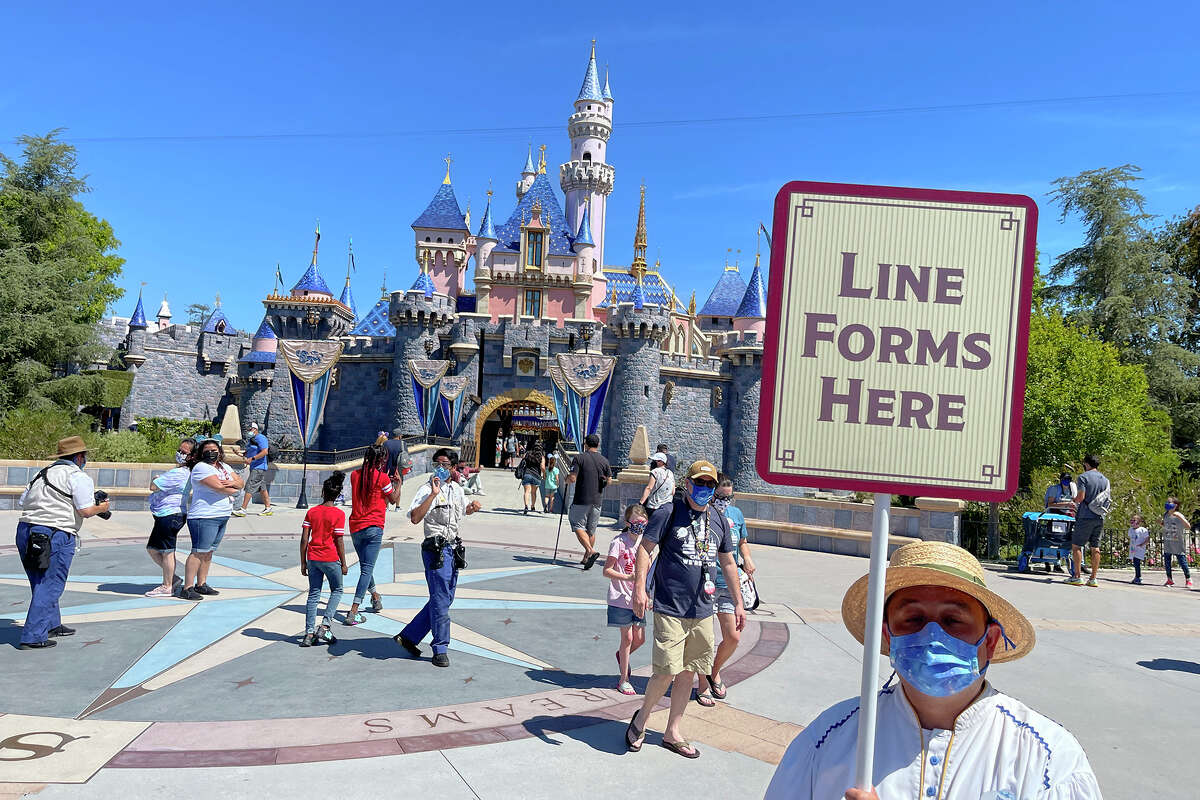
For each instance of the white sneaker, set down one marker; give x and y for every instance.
(267, 512)
(237, 512)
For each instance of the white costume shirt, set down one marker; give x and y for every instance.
(1138, 539)
(1000, 749)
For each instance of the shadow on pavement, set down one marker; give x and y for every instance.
(1171, 665)
(596, 732)
(139, 589)
(10, 632)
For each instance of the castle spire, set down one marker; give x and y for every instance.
(316, 242)
(487, 229)
(138, 320)
(590, 90)
(529, 170)
(447, 159)
(541, 170)
(347, 298)
(607, 92)
(638, 268)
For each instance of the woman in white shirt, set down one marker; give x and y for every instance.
(166, 506)
(213, 486)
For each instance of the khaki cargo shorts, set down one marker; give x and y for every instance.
(682, 645)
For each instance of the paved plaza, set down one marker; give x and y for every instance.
(161, 696)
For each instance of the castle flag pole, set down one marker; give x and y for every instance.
(302, 500)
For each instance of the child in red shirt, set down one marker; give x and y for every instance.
(321, 554)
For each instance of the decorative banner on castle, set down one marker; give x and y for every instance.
(586, 377)
(558, 388)
(450, 402)
(897, 329)
(310, 364)
(426, 377)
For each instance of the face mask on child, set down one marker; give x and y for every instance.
(637, 527)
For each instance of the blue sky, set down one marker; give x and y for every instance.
(198, 215)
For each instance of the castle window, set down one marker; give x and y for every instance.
(439, 238)
(587, 156)
(533, 249)
(533, 303)
(427, 238)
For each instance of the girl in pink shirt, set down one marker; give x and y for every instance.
(619, 568)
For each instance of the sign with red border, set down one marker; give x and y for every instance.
(896, 339)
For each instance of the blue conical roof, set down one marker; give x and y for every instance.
(591, 81)
(312, 282)
(584, 237)
(754, 302)
(424, 284)
(443, 211)
(725, 296)
(639, 297)
(607, 94)
(487, 229)
(541, 191)
(213, 323)
(529, 170)
(265, 331)
(138, 320)
(347, 299)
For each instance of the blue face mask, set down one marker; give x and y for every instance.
(702, 494)
(1169, 506)
(442, 473)
(934, 662)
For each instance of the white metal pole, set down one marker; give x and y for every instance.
(864, 765)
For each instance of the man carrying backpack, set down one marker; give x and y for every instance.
(1095, 501)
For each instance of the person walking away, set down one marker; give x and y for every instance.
(692, 540)
(395, 452)
(440, 505)
(666, 451)
(257, 448)
(323, 558)
(1139, 537)
(1089, 523)
(711, 687)
(213, 486)
(550, 483)
(1175, 528)
(166, 508)
(510, 449)
(944, 731)
(532, 470)
(372, 489)
(620, 568)
(590, 474)
(660, 489)
(53, 508)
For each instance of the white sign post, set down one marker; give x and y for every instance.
(894, 360)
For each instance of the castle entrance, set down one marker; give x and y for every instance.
(527, 414)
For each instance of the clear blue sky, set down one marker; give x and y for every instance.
(203, 214)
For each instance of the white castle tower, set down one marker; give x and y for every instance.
(587, 179)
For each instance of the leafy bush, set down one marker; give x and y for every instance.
(120, 446)
(32, 432)
(167, 430)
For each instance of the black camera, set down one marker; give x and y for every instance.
(101, 496)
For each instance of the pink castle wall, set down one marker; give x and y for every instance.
(446, 277)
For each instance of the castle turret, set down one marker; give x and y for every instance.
(256, 375)
(485, 243)
(347, 298)
(751, 315)
(441, 236)
(585, 248)
(420, 318)
(528, 174)
(164, 314)
(587, 179)
(743, 348)
(639, 327)
(135, 349)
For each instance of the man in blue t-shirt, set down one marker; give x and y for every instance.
(692, 539)
(257, 448)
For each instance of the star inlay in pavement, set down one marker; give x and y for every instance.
(595, 638)
(468, 680)
(263, 596)
(508, 621)
(94, 641)
(243, 682)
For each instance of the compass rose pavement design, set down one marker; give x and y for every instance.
(168, 682)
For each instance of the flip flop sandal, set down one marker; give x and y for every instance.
(705, 699)
(625, 687)
(638, 734)
(681, 748)
(717, 688)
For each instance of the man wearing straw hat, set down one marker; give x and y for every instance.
(53, 507)
(944, 732)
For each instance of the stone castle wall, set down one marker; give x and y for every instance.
(174, 382)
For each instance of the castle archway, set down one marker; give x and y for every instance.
(496, 415)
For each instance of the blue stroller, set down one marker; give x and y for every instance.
(1047, 540)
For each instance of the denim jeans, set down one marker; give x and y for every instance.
(207, 533)
(1137, 569)
(1187, 576)
(366, 543)
(318, 572)
(46, 585)
(434, 616)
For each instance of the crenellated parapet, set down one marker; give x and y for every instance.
(650, 322)
(595, 177)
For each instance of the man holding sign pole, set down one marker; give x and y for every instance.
(942, 629)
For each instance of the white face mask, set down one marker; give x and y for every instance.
(180, 458)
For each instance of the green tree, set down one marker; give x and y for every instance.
(59, 263)
(197, 313)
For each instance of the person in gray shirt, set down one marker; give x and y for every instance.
(1088, 524)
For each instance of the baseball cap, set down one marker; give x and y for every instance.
(702, 469)
(659, 457)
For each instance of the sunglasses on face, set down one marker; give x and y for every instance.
(707, 483)
(442, 463)
(728, 497)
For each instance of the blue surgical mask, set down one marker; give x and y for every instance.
(702, 494)
(934, 662)
(1169, 506)
(442, 473)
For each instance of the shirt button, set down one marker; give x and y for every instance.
(934, 760)
(929, 791)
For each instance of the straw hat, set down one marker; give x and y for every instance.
(941, 564)
(70, 446)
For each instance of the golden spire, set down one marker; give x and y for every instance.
(757, 244)
(638, 268)
(593, 48)
(692, 305)
(613, 300)
(674, 302)
(542, 160)
(447, 159)
(383, 286)
(316, 242)
(467, 216)
(730, 267)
